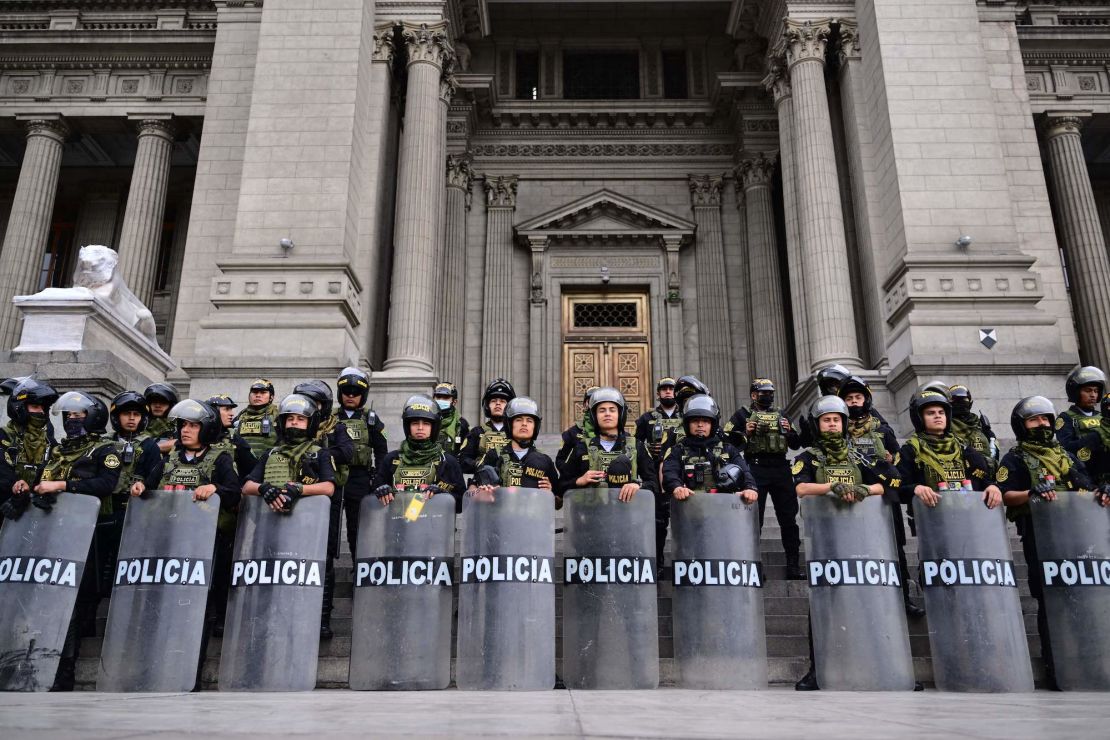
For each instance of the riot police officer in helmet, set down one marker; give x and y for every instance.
(240, 450)
(367, 433)
(25, 443)
(138, 452)
(701, 461)
(160, 398)
(420, 463)
(583, 429)
(257, 423)
(653, 425)
(971, 428)
(492, 434)
(453, 428)
(1075, 427)
(829, 379)
(519, 463)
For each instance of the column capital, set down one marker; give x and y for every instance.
(1061, 123)
(161, 126)
(705, 190)
(459, 174)
(448, 84)
(777, 81)
(383, 42)
(50, 125)
(756, 171)
(427, 42)
(806, 40)
(501, 191)
(849, 40)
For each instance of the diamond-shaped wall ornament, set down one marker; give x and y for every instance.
(988, 338)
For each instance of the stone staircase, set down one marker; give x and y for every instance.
(785, 604)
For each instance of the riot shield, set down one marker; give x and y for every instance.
(719, 634)
(42, 559)
(1073, 545)
(402, 604)
(160, 589)
(272, 630)
(860, 641)
(610, 615)
(976, 630)
(507, 591)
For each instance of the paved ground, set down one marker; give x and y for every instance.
(777, 713)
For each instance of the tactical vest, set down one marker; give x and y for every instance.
(358, 429)
(976, 439)
(870, 444)
(769, 442)
(955, 471)
(281, 467)
(491, 439)
(660, 425)
(846, 472)
(1083, 423)
(28, 471)
(511, 469)
(1037, 470)
(703, 468)
(412, 476)
(77, 464)
(191, 474)
(129, 460)
(258, 429)
(600, 460)
(160, 428)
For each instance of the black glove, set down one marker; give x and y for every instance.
(730, 478)
(14, 507)
(292, 491)
(1102, 494)
(432, 489)
(269, 492)
(1042, 488)
(486, 476)
(619, 471)
(44, 501)
(383, 490)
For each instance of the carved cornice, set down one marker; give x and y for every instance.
(849, 41)
(642, 150)
(427, 43)
(105, 61)
(383, 43)
(806, 41)
(756, 172)
(705, 190)
(501, 191)
(777, 81)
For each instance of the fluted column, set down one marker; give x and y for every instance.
(497, 303)
(141, 235)
(29, 223)
(1084, 245)
(832, 324)
(778, 83)
(420, 177)
(447, 87)
(452, 344)
(769, 352)
(714, 335)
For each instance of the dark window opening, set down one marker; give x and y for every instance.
(57, 261)
(604, 315)
(593, 75)
(674, 75)
(527, 75)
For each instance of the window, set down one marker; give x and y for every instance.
(56, 269)
(674, 75)
(611, 75)
(527, 75)
(605, 315)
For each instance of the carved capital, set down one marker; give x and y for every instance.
(459, 174)
(53, 128)
(849, 41)
(427, 43)
(501, 191)
(777, 81)
(383, 43)
(161, 127)
(756, 172)
(1063, 124)
(806, 40)
(448, 84)
(705, 190)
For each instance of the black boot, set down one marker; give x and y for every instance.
(326, 607)
(808, 682)
(793, 570)
(66, 677)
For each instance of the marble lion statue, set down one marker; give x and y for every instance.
(96, 272)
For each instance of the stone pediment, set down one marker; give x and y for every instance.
(605, 214)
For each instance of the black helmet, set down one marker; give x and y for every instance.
(160, 392)
(129, 401)
(1104, 407)
(830, 377)
(665, 383)
(828, 405)
(497, 388)
(924, 398)
(300, 404)
(353, 379)
(319, 392)
(8, 385)
(1027, 408)
(937, 386)
(202, 413)
(701, 406)
(523, 406)
(1088, 375)
(420, 407)
(587, 393)
(687, 386)
(96, 413)
(960, 396)
(221, 399)
(30, 391)
(608, 394)
(445, 389)
(262, 384)
(856, 384)
(760, 385)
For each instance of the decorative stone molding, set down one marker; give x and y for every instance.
(161, 127)
(1062, 124)
(50, 127)
(705, 190)
(460, 175)
(427, 43)
(806, 40)
(447, 87)
(501, 191)
(777, 81)
(384, 47)
(647, 151)
(287, 282)
(849, 40)
(756, 171)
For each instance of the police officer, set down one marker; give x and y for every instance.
(1039, 466)
(1098, 455)
(6, 387)
(829, 379)
(766, 435)
(971, 428)
(582, 429)
(257, 423)
(298, 465)
(492, 434)
(519, 463)
(367, 433)
(653, 425)
(331, 433)
(137, 451)
(453, 428)
(686, 387)
(702, 461)
(160, 398)
(239, 448)
(421, 461)
(25, 443)
(611, 458)
(1084, 387)
(830, 467)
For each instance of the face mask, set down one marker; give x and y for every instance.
(857, 412)
(961, 407)
(667, 403)
(38, 421)
(831, 439)
(74, 427)
(443, 404)
(296, 435)
(1041, 435)
(764, 400)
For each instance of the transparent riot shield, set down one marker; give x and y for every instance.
(42, 559)
(507, 591)
(610, 615)
(160, 590)
(1073, 544)
(719, 633)
(976, 630)
(402, 602)
(272, 630)
(860, 641)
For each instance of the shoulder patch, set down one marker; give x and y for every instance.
(1003, 474)
(1084, 454)
(111, 461)
(897, 457)
(1059, 422)
(797, 468)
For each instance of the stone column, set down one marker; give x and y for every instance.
(497, 301)
(1084, 246)
(714, 334)
(832, 327)
(29, 223)
(769, 352)
(447, 86)
(452, 344)
(413, 290)
(141, 236)
(778, 83)
(672, 248)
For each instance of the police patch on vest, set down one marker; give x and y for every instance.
(855, 572)
(797, 467)
(1084, 454)
(1060, 422)
(250, 427)
(718, 573)
(277, 572)
(403, 572)
(968, 572)
(1003, 474)
(623, 570)
(1068, 573)
(354, 433)
(163, 572)
(507, 569)
(111, 461)
(41, 571)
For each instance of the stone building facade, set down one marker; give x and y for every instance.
(570, 193)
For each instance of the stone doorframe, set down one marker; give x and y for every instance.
(602, 239)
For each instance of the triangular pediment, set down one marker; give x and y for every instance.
(605, 213)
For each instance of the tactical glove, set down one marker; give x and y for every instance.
(860, 491)
(44, 501)
(292, 491)
(14, 507)
(383, 490)
(843, 491)
(486, 476)
(269, 492)
(1042, 488)
(1102, 494)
